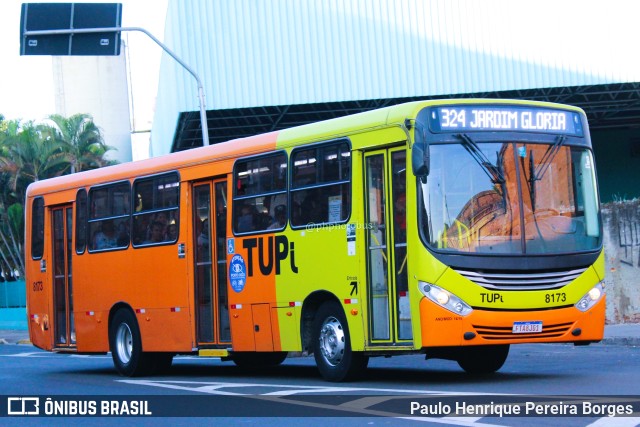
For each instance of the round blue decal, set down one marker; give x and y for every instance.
(237, 273)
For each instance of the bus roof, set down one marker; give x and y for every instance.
(259, 143)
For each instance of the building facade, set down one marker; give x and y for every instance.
(266, 65)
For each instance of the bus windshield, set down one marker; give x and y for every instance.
(510, 198)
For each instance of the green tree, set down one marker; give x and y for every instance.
(26, 156)
(82, 141)
(30, 153)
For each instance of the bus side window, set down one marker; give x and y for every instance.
(81, 221)
(261, 187)
(37, 228)
(321, 184)
(109, 216)
(156, 210)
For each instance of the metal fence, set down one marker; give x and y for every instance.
(13, 294)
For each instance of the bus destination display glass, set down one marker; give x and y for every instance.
(499, 118)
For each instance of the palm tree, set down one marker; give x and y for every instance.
(82, 141)
(28, 155)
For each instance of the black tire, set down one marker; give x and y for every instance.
(126, 345)
(252, 360)
(332, 345)
(485, 359)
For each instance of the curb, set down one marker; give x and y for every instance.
(626, 341)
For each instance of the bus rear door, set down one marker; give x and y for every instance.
(63, 322)
(210, 227)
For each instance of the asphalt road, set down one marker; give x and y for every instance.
(294, 393)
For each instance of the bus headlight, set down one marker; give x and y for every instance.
(591, 298)
(444, 298)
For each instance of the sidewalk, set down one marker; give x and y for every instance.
(12, 336)
(621, 334)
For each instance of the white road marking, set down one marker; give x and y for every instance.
(293, 389)
(359, 404)
(37, 354)
(616, 422)
(31, 354)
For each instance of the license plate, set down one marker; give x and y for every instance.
(527, 327)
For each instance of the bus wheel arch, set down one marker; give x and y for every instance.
(309, 309)
(125, 342)
(331, 343)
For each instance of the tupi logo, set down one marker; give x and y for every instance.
(276, 250)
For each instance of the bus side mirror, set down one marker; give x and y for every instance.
(420, 158)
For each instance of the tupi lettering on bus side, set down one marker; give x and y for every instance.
(271, 251)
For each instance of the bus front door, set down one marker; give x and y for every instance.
(210, 219)
(64, 325)
(388, 300)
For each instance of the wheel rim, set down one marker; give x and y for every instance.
(124, 343)
(332, 342)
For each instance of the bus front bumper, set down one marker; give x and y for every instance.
(441, 327)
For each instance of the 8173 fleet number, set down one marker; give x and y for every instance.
(554, 297)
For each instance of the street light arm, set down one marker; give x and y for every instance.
(201, 100)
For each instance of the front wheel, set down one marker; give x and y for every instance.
(485, 359)
(332, 345)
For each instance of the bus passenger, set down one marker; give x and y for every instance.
(281, 218)
(203, 235)
(246, 222)
(123, 234)
(172, 232)
(312, 211)
(161, 217)
(156, 233)
(107, 238)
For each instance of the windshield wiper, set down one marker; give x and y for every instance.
(531, 180)
(493, 172)
(548, 157)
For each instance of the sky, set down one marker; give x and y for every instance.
(26, 82)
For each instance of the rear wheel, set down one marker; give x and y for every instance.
(126, 345)
(332, 345)
(485, 359)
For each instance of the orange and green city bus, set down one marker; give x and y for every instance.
(448, 228)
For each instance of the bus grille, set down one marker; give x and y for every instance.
(502, 333)
(522, 281)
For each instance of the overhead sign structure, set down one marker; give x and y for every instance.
(59, 29)
(62, 29)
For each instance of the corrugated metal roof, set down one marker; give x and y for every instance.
(260, 53)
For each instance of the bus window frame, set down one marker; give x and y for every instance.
(175, 209)
(110, 217)
(35, 231)
(236, 198)
(318, 146)
(82, 222)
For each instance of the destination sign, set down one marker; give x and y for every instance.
(500, 118)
